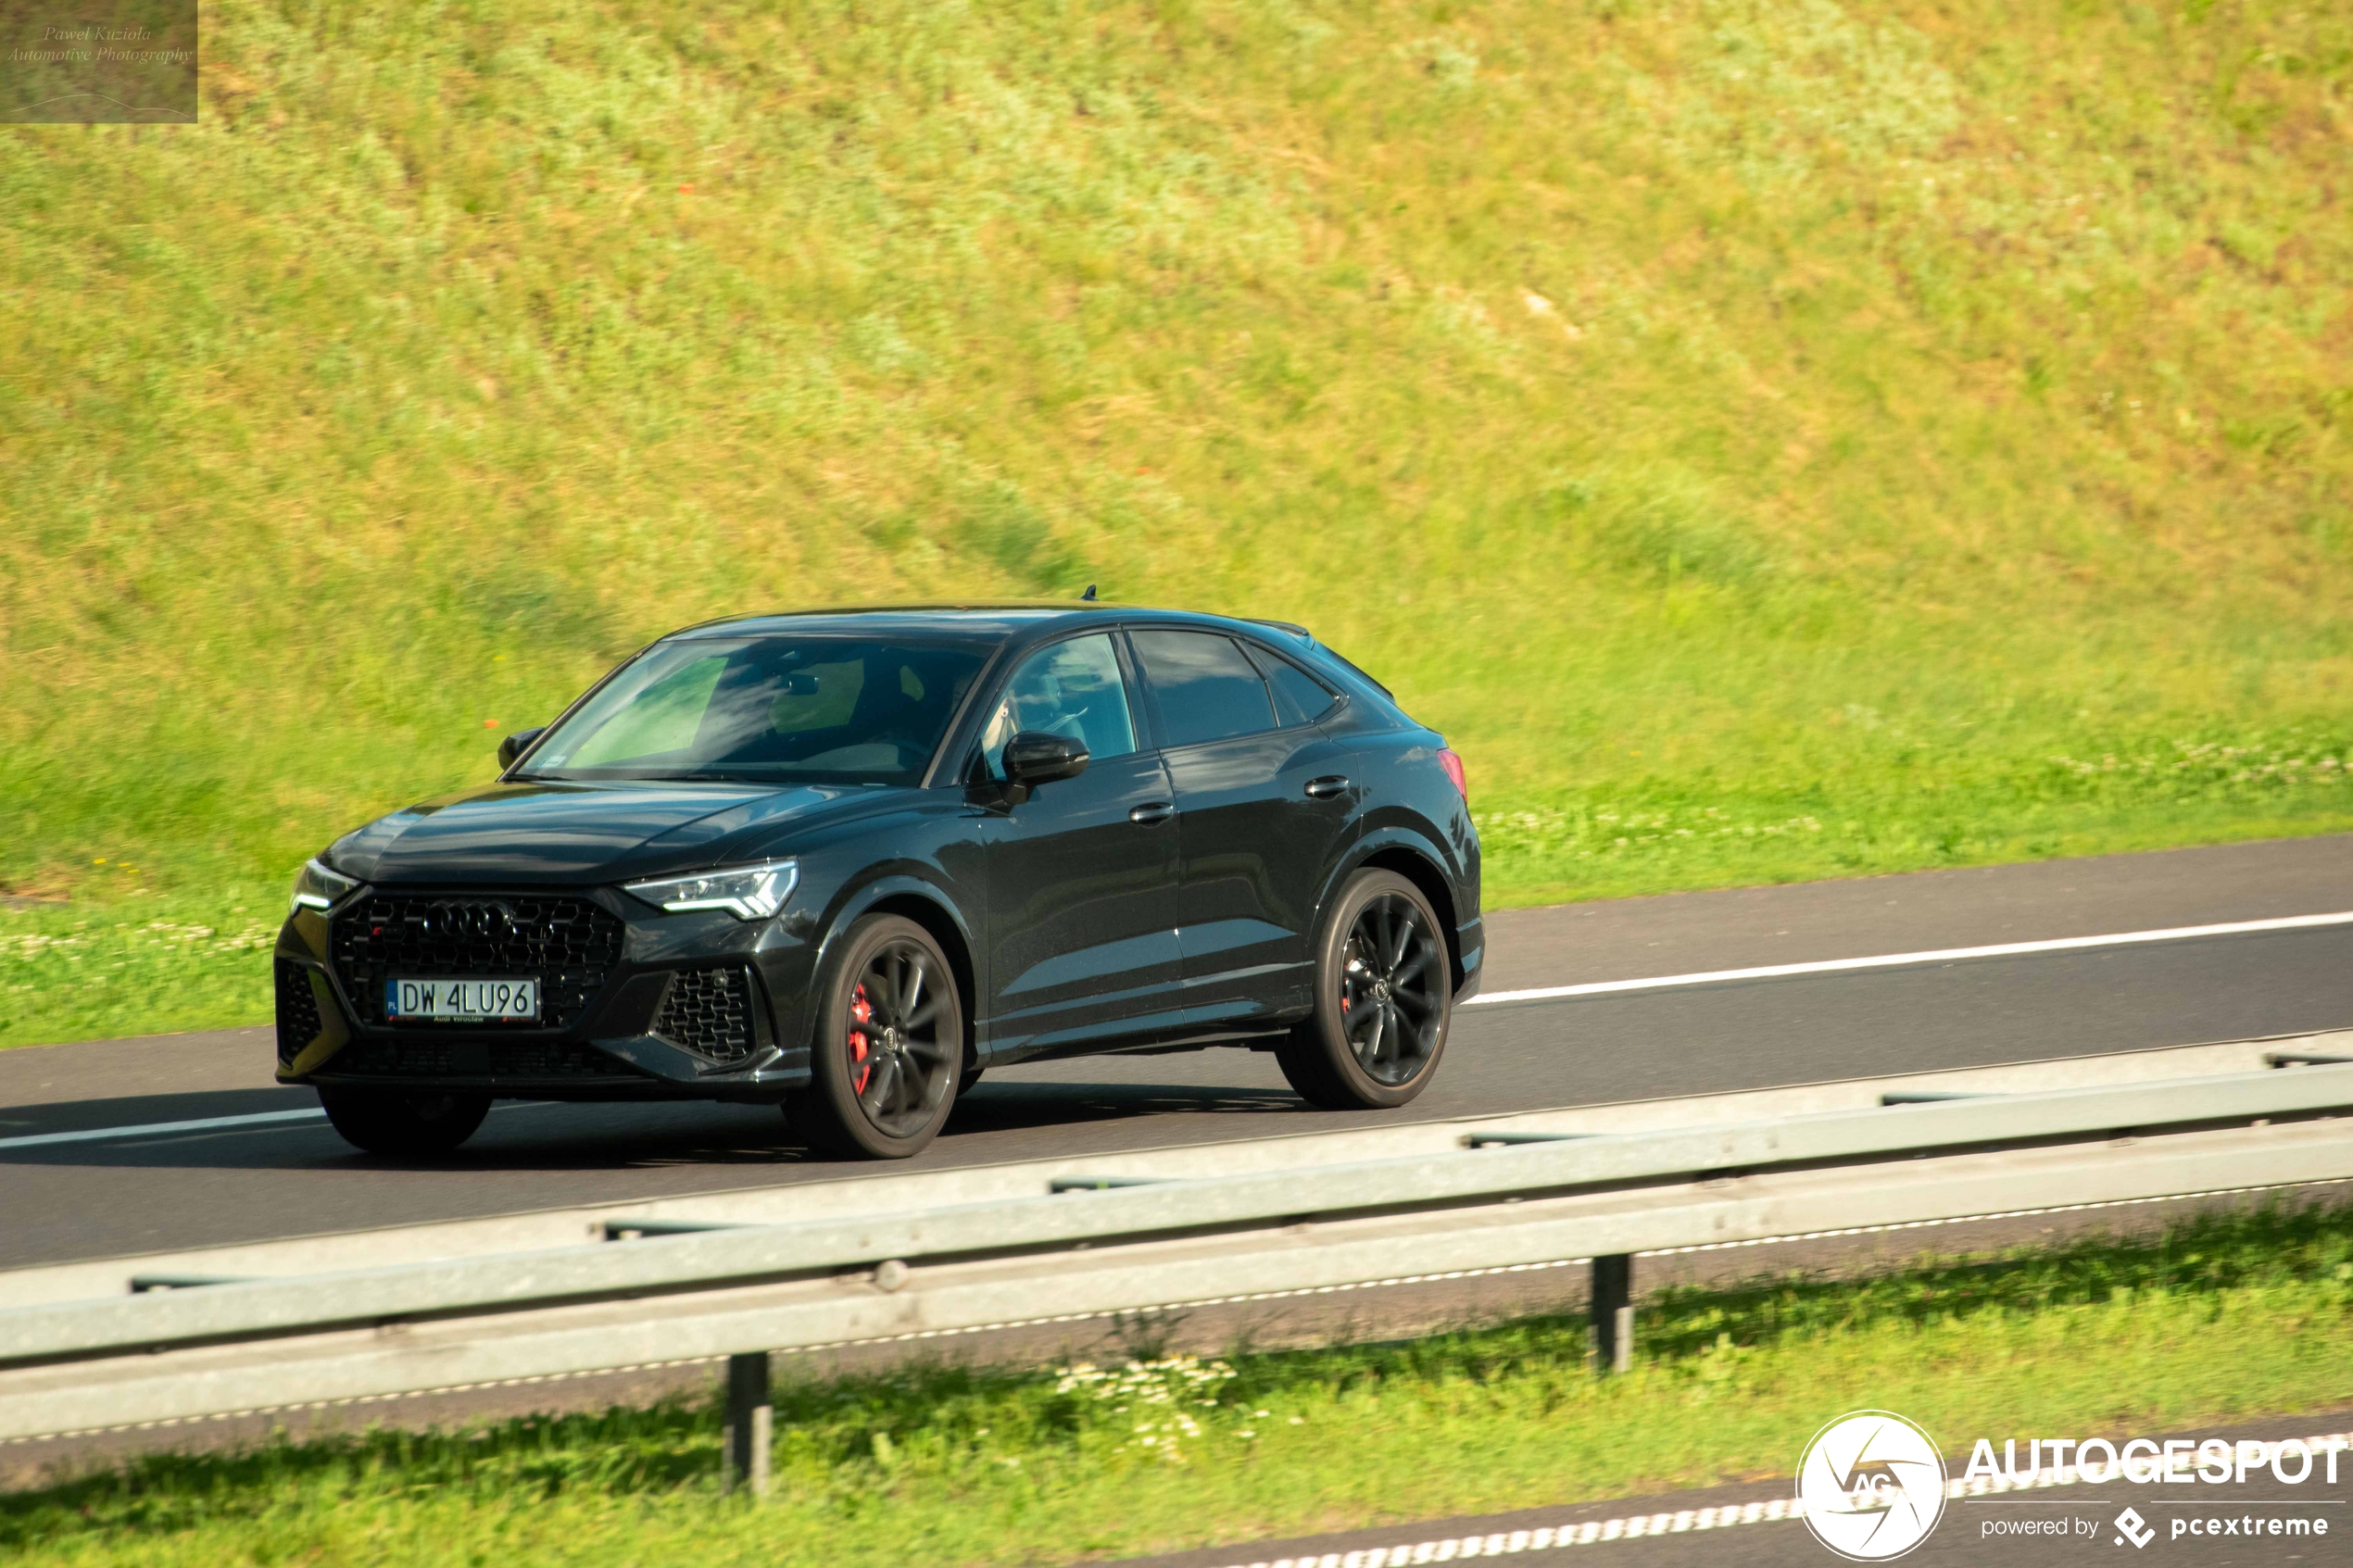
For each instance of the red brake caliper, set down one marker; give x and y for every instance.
(861, 1013)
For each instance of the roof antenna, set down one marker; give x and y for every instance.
(1089, 597)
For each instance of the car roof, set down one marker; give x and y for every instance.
(977, 620)
(1009, 626)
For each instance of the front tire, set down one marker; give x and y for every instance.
(889, 1045)
(1384, 996)
(415, 1124)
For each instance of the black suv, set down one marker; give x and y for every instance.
(847, 860)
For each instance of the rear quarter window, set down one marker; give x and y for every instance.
(1300, 699)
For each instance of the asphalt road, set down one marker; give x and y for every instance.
(151, 1191)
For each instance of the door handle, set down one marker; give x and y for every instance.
(1155, 811)
(1326, 788)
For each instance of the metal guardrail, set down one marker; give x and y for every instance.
(687, 1260)
(676, 1292)
(797, 1192)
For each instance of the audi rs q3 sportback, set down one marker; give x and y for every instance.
(847, 861)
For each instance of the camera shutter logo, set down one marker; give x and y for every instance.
(1872, 1485)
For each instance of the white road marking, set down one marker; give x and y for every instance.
(209, 1124)
(1939, 955)
(90, 1134)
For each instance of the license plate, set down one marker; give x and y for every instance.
(474, 1001)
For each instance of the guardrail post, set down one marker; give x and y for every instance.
(750, 1422)
(1613, 1313)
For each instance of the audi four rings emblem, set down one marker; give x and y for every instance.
(469, 919)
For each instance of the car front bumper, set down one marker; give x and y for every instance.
(636, 1004)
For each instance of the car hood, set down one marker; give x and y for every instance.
(580, 833)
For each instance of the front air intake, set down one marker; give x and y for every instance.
(707, 1012)
(299, 1020)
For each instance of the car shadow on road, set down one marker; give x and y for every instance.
(1003, 1107)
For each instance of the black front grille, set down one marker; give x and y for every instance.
(298, 1022)
(510, 1060)
(568, 945)
(708, 1012)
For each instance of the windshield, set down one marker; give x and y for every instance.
(790, 709)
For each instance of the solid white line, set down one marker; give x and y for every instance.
(90, 1134)
(1939, 955)
(258, 1118)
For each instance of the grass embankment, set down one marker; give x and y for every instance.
(960, 1466)
(1772, 440)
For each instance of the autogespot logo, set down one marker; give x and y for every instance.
(1872, 1486)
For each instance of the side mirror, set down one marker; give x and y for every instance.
(1036, 757)
(515, 744)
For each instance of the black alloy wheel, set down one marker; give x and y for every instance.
(417, 1124)
(889, 1046)
(1384, 995)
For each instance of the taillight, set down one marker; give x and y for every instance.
(1453, 766)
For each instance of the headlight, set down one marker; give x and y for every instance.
(315, 887)
(746, 892)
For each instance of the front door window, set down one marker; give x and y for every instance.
(1072, 689)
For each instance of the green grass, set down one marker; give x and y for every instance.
(960, 1465)
(1711, 413)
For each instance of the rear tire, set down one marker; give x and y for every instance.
(888, 1048)
(411, 1125)
(1384, 996)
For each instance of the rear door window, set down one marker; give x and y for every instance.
(1203, 685)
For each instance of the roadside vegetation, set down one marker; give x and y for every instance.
(955, 1465)
(1773, 440)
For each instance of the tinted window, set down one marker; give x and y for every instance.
(1073, 689)
(815, 711)
(1205, 688)
(1298, 696)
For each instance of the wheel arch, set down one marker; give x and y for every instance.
(1418, 866)
(916, 899)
